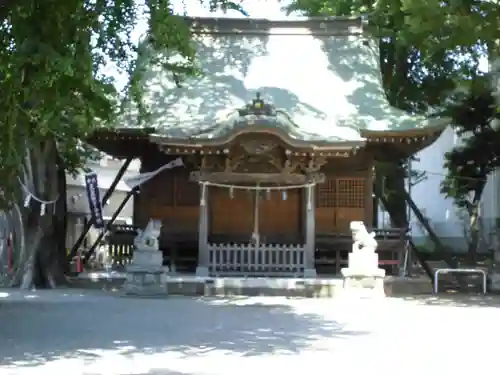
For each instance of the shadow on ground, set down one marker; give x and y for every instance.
(40, 328)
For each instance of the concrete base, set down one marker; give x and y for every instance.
(201, 271)
(363, 283)
(191, 285)
(146, 282)
(310, 273)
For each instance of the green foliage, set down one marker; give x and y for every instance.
(426, 45)
(427, 48)
(474, 113)
(52, 55)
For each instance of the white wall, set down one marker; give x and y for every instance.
(441, 212)
(106, 170)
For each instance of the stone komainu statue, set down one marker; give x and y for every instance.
(148, 238)
(363, 241)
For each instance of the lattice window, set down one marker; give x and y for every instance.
(187, 193)
(350, 193)
(325, 194)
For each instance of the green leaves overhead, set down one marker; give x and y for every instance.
(430, 52)
(474, 112)
(58, 59)
(427, 46)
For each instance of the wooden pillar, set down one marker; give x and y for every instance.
(310, 231)
(203, 254)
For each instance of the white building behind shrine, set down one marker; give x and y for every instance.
(444, 217)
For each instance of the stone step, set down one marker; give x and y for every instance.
(189, 285)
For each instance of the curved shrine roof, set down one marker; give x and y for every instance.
(312, 80)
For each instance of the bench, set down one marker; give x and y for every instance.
(388, 262)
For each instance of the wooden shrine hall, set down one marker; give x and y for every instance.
(278, 135)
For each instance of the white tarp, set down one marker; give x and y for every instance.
(141, 178)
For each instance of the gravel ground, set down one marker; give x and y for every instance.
(84, 332)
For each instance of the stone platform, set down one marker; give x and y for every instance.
(191, 285)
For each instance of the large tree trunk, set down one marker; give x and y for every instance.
(41, 260)
(391, 179)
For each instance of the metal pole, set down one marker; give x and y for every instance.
(105, 199)
(410, 170)
(407, 257)
(108, 224)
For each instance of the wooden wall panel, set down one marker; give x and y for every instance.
(187, 192)
(278, 216)
(230, 215)
(171, 198)
(176, 219)
(325, 220)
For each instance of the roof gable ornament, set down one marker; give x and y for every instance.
(258, 107)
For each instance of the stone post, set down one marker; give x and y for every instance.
(310, 232)
(203, 254)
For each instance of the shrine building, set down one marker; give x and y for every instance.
(278, 134)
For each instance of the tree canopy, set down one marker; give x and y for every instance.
(474, 115)
(56, 91)
(426, 45)
(427, 49)
(54, 87)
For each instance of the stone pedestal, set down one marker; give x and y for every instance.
(146, 276)
(362, 277)
(146, 282)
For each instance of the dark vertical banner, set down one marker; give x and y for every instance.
(94, 199)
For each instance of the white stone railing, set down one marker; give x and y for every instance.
(249, 259)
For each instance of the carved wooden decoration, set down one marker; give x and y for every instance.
(312, 165)
(251, 156)
(290, 166)
(259, 147)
